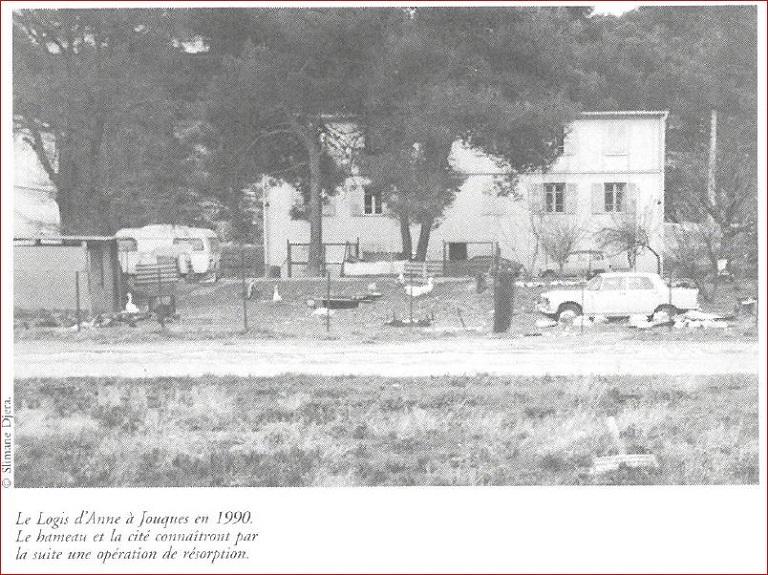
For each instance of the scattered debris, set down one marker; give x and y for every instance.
(372, 287)
(695, 319)
(323, 311)
(614, 462)
(423, 322)
(639, 321)
(276, 295)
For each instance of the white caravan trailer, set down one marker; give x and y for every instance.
(196, 250)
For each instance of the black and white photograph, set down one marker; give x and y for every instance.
(350, 245)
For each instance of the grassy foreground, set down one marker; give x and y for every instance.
(325, 431)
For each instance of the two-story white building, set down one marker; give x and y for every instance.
(611, 167)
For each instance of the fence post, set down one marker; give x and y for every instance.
(327, 301)
(357, 249)
(670, 294)
(410, 296)
(159, 285)
(245, 301)
(289, 257)
(445, 269)
(77, 299)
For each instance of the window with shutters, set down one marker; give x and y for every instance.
(554, 198)
(615, 194)
(372, 203)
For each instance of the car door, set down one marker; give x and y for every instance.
(612, 297)
(641, 295)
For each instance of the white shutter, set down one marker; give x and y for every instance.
(632, 197)
(571, 198)
(355, 199)
(598, 199)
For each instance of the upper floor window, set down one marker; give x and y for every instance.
(554, 198)
(615, 196)
(372, 203)
(615, 139)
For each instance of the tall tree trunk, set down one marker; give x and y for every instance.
(315, 259)
(405, 236)
(308, 136)
(421, 247)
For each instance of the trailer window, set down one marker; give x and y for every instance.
(193, 244)
(126, 245)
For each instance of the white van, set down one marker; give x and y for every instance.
(196, 250)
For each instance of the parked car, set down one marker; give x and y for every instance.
(580, 263)
(619, 294)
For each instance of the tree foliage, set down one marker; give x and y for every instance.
(97, 83)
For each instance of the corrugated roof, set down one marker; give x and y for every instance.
(63, 238)
(652, 113)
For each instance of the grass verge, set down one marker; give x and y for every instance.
(331, 431)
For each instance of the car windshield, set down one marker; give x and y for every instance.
(594, 283)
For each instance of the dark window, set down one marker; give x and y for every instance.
(372, 205)
(193, 244)
(554, 198)
(457, 251)
(614, 196)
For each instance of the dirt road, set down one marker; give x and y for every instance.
(425, 358)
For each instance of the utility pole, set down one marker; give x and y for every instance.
(712, 165)
(265, 224)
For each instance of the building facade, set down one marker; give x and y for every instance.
(611, 170)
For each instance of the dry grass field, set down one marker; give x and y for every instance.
(324, 431)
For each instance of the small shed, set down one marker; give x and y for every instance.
(47, 271)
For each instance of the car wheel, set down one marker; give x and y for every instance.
(568, 311)
(666, 309)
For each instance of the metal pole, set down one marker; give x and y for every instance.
(670, 295)
(327, 301)
(265, 225)
(77, 299)
(245, 302)
(288, 242)
(583, 285)
(410, 295)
